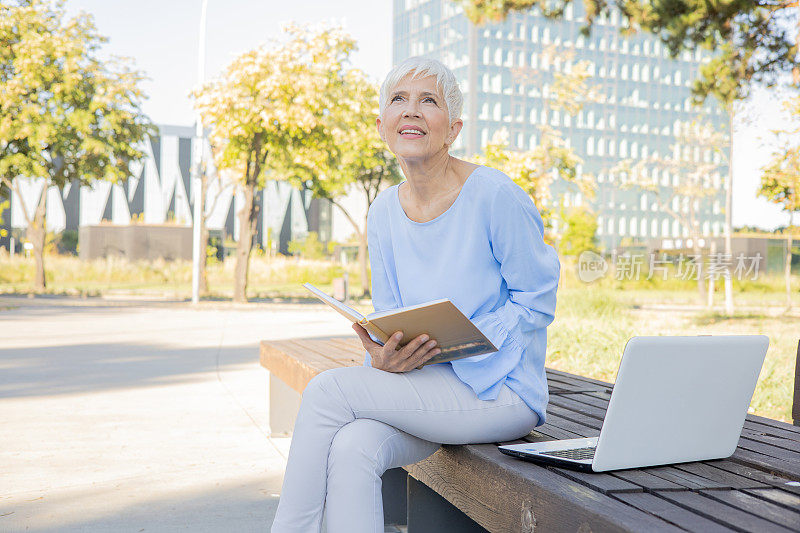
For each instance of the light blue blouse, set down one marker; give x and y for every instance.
(486, 254)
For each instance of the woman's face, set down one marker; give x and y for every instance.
(415, 122)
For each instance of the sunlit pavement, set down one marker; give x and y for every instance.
(136, 416)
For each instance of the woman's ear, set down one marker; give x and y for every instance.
(455, 129)
(380, 129)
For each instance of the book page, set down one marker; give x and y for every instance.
(345, 310)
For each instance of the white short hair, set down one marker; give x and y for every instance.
(421, 67)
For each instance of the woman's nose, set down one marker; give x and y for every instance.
(411, 110)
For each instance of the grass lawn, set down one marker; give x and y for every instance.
(593, 321)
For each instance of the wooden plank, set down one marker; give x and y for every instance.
(687, 479)
(589, 410)
(335, 351)
(784, 454)
(708, 471)
(574, 416)
(295, 373)
(648, 481)
(777, 496)
(560, 373)
(756, 506)
(764, 462)
(789, 444)
(590, 399)
(772, 431)
(721, 512)
(757, 474)
(499, 491)
(605, 483)
(671, 512)
(773, 423)
(553, 433)
(574, 427)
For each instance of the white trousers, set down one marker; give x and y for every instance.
(356, 422)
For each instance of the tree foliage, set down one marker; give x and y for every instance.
(579, 235)
(780, 179)
(65, 115)
(273, 114)
(750, 40)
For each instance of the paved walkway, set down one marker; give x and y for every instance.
(135, 416)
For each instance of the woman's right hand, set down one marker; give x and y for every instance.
(391, 359)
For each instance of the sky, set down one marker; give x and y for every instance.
(162, 39)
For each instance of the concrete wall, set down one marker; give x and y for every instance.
(136, 242)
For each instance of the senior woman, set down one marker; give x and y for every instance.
(452, 230)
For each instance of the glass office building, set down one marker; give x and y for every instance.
(505, 70)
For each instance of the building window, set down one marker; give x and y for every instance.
(676, 229)
(623, 148)
(654, 228)
(643, 202)
(497, 111)
(590, 146)
(643, 228)
(665, 228)
(632, 228)
(621, 226)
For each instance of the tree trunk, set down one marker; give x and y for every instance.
(248, 217)
(698, 252)
(202, 289)
(36, 234)
(787, 272)
(362, 262)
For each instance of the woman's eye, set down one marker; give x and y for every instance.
(395, 98)
(429, 99)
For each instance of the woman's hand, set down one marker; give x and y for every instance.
(390, 359)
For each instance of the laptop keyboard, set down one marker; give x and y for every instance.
(576, 453)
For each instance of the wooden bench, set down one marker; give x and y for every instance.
(476, 488)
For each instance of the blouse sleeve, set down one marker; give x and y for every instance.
(381, 291)
(529, 267)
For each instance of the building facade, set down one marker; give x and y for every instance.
(506, 70)
(159, 191)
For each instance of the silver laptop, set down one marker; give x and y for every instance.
(676, 399)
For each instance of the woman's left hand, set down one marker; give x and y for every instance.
(390, 357)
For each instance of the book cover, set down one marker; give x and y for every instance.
(456, 336)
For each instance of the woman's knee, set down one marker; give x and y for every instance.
(358, 446)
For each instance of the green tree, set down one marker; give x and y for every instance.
(750, 40)
(269, 112)
(353, 157)
(65, 115)
(780, 184)
(579, 235)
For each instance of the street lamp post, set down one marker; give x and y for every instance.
(199, 201)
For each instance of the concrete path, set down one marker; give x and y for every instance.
(143, 417)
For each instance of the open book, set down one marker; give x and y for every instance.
(453, 332)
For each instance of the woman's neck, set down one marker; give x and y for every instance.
(431, 178)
